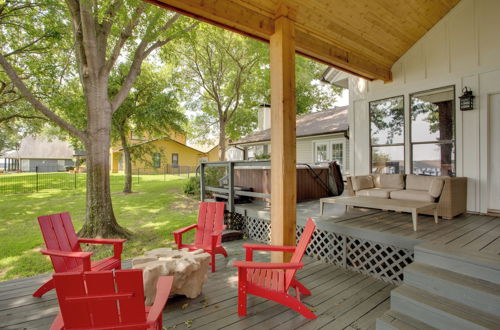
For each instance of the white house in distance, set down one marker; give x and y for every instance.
(321, 137)
(39, 153)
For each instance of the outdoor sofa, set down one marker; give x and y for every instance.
(449, 192)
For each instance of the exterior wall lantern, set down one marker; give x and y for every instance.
(466, 100)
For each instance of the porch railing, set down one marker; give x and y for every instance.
(229, 188)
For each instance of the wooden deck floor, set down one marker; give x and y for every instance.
(342, 300)
(478, 233)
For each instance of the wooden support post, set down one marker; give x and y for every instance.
(202, 182)
(283, 150)
(230, 173)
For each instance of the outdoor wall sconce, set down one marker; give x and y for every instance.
(466, 100)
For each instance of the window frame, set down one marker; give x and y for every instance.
(438, 142)
(329, 153)
(176, 164)
(403, 144)
(154, 159)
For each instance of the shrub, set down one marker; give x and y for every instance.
(212, 177)
(192, 187)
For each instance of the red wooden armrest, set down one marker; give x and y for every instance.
(113, 241)
(267, 265)
(57, 253)
(163, 288)
(85, 256)
(185, 229)
(265, 247)
(262, 247)
(117, 242)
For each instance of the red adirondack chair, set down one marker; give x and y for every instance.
(208, 231)
(273, 280)
(63, 247)
(108, 300)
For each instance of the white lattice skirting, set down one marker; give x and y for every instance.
(379, 260)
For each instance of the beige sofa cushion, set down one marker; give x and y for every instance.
(412, 195)
(361, 182)
(436, 187)
(418, 182)
(392, 181)
(375, 192)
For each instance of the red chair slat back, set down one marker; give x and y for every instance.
(210, 219)
(132, 310)
(59, 234)
(75, 314)
(101, 299)
(300, 250)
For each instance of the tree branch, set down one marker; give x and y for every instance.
(7, 118)
(140, 54)
(19, 50)
(90, 46)
(124, 36)
(16, 80)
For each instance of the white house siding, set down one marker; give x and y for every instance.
(463, 49)
(305, 146)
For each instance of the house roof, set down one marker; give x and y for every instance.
(42, 148)
(158, 139)
(316, 123)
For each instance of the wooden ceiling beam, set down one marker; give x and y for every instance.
(241, 19)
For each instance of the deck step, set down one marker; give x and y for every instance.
(484, 266)
(392, 320)
(438, 311)
(467, 290)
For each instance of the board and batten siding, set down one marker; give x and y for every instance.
(462, 49)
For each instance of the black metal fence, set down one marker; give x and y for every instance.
(46, 178)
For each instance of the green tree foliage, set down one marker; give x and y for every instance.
(151, 109)
(74, 47)
(225, 77)
(222, 75)
(20, 41)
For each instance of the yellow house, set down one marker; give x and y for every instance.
(163, 155)
(213, 154)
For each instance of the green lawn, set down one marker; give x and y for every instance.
(155, 209)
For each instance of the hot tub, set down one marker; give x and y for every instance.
(312, 180)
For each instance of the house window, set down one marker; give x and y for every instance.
(156, 160)
(321, 152)
(433, 132)
(175, 160)
(338, 153)
(330, 150)
(387, 133)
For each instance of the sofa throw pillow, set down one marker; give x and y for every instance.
(436, 187)
(362, 182)
(392, 181)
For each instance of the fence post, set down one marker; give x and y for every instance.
(75, 177)
(165, 173)
(202, 182)
(231, 186)
(138, 175)
(36, 173)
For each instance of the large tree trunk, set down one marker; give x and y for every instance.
(222, 140)
(127, 188)
(100, 219)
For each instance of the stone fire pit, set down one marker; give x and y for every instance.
(189, 270)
